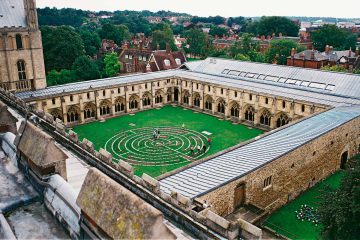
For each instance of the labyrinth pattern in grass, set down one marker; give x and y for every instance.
(173, 146)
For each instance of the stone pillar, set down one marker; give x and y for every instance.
(273, 122)
(202, 100)
(81, 104)
(227, 105)
(113, 98)
(97, 103)
(64, 110)
(126, 100)
(292, 109)
(256, 117)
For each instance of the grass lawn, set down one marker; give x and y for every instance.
(131, 137)
(284, 220)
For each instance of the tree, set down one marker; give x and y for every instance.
(163, 35)
(91, 41)
(333, 36)
(59, 17)
(62, 45)
(242, 57)
(339, 209)
(198, 43)
(269, 25)
(218, 31)
(112, 65)
(279, 51)
(64, 76)
(116, 33)
(334, 68)
(85, 69)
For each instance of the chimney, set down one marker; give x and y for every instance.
(280, 34)
(158, 46)
(141, 45)
(168, 48)
(357, 52)
(262, 37)
(327, 49)
(136, 63)
(312, 54)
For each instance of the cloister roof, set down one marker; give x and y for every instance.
(321, 87)
(216, 172)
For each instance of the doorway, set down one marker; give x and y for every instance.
(239, 195)
(176, 95)
(344, 158)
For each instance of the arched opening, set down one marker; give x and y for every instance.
(89, 111)
(176, 95)
(234, 111)
(208, 103)
(21, 70)
(344, 159)
(56, 113)
(282, 120)
(133, 103)
(221, 107)
(250, 113)
(73, 114)
(265, 118)
(169, 95)
(105, 108)
(119, 105)
(186, 97)
(19, 42)
(196, 100)
(158, 97)
(146, 100)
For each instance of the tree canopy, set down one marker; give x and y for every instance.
(198, 42)
(62, 45)
(116, 33)
(218, 31)
(280, 49)
(112, 65)
(269, 25)
(333, 36)
(163, 35)
(59, 17)
(340, 209)
(91, 40)
(85, 69)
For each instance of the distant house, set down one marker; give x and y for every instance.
(314, 59)
(144, 60)
(222, 43)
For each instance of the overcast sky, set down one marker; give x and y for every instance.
(226, 8)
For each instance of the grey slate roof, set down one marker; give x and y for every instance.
(212, 174)
(328, 88)
(12, 13)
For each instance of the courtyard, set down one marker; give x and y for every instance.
(132, 137)
(284, 221)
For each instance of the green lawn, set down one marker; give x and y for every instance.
(224, 135)
(284, 220)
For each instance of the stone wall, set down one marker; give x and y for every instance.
(292, 173)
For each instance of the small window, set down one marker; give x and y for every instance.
(167, 63)
(132, 88)
(314, 153)
(53, 101)
(144, 59)
(185, 84)
(222, 91)
(88, 95)
(130, 57)
(209, 88)
(266, 100)
(235, 93)
(267, 182)
(158, 84)
(225, 71)
(145, 85)
(71, 98)
(332, 142)
(292, 165)
(303, 108)
(234, 72)
(140, 58)
(283, 104)
(250, 97)
(104, 93)
(119, 90)
(19, 44)
(168, 80)
(178, 61)
(126, 56)
(197, 86)
(21, 70)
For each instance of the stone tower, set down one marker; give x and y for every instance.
(21, 54)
